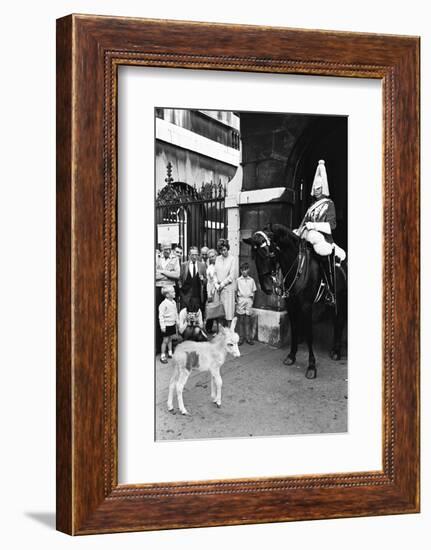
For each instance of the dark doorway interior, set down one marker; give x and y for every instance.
(325, 139)
(283, 150)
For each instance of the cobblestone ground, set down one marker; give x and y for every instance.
(260, 397)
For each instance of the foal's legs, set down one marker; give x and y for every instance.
(182, 379)
(213, 388)
(218, 384)
(172, 384)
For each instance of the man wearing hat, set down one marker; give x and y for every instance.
(317, 226)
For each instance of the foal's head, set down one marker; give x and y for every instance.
(228, 338)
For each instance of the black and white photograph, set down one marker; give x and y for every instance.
(213, 246)
(251, 276)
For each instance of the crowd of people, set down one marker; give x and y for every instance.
(195, 296)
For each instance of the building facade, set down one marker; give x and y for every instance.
(197, 154)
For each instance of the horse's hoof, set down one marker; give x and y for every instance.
(171, 410)
(289, 361)
(335, 355)
(218, 405)
(185, 413)
(311, 373)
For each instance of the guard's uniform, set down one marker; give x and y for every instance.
(321, 221)
(322, 214)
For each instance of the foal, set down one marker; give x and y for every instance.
(200, 357)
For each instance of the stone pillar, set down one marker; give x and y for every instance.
(267, 195)
(232, 206)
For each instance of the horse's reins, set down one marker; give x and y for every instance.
(299, 261)
(299, 266)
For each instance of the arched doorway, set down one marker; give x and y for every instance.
(325, 139)
(189, 216)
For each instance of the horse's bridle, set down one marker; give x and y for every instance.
(267, 240)
(279, 287)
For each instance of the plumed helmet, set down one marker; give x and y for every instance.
(320, 179)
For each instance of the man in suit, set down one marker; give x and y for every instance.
(193, 281)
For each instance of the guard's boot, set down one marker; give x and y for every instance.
(328, 268)
(240, 329)
(248, 328)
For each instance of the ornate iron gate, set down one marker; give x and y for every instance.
(195, 216)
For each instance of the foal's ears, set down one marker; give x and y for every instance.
(233, 324)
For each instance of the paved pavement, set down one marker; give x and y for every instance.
(260, 397)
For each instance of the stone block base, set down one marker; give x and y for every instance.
(272, 327)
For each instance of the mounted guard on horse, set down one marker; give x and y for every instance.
(290, 268)
(316, 228)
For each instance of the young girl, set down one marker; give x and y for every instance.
(168, 319)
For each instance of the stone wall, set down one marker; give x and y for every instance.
(189, 167)
(282, 151)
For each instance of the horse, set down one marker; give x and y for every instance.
(278, 249)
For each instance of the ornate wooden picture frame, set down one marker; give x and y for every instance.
(89, 51)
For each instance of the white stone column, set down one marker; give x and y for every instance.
(231, 204)
(272, 327)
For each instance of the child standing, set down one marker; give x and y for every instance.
(168, 319)
(245, 290)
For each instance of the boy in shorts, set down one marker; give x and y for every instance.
(245, 290)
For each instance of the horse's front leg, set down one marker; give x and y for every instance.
(292, 310)
(335, 352)
(339, 319)
(308, 324)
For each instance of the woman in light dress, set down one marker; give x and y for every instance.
(211, 276)
(225, 280)
(212, 294)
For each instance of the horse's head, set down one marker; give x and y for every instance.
(263, 251)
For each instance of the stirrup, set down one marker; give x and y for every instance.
(329, 298)
(320, 291)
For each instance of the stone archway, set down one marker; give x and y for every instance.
(280, 153)
(325, 138)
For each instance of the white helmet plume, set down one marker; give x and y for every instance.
(320, 179)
